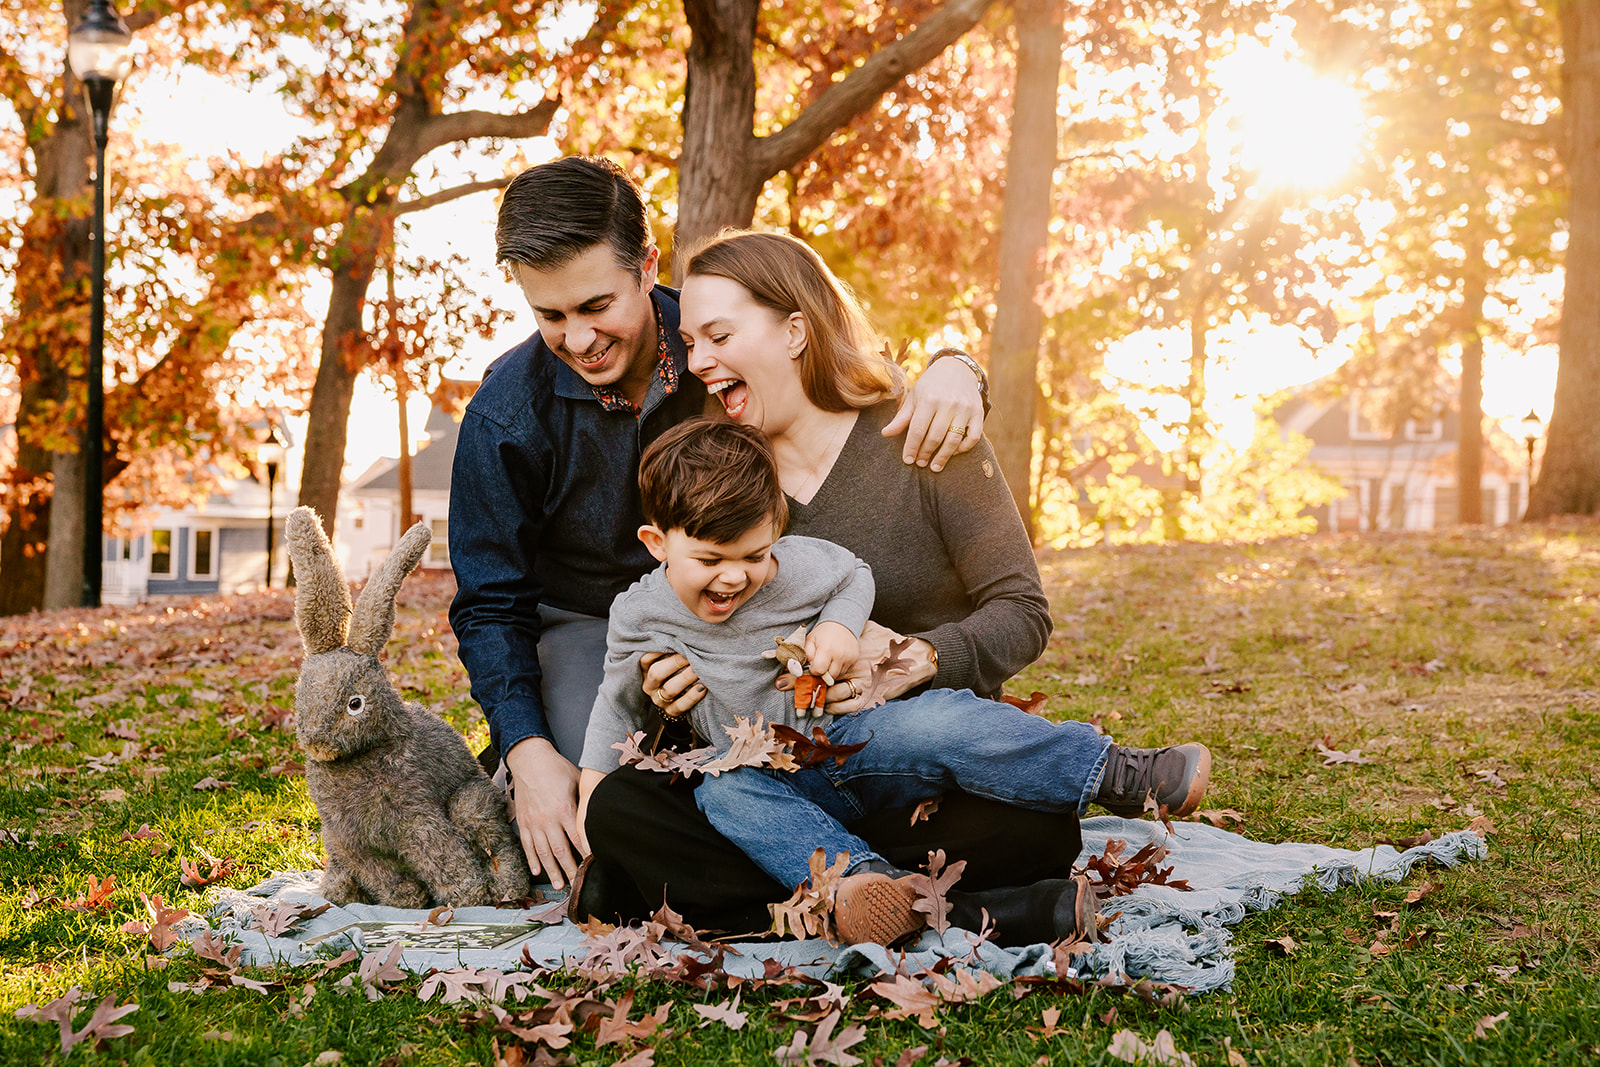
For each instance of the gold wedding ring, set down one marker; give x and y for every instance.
(855, 690)
(960, 431)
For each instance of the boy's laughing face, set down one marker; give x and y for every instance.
(713, 579)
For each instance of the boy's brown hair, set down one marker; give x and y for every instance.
(715, 480)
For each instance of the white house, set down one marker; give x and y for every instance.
(1404, 480)
(218, 547)
(369, 507)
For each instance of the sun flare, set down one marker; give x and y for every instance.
(1295, 127)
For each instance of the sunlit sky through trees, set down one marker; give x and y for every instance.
(1289, 125)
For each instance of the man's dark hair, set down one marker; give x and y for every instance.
(553, 213)
(715, 480)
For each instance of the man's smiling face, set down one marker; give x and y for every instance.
(597, 317)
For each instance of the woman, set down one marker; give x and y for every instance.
(784, 347)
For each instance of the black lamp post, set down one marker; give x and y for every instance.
(270, 454)
(98, 51)
(1531, 429)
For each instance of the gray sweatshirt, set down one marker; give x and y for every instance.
(817, 581)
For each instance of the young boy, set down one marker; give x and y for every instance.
(728, 586)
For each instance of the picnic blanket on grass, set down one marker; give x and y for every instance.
(1163, 934)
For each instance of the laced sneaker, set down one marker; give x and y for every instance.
(1176, 777)
(874, 908)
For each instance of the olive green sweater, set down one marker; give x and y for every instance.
(948, 553)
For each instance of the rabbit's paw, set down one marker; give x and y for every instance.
(510, 878)
(466, 893)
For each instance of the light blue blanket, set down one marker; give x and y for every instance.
(1163, 934)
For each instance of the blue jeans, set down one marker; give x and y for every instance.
(917, 748)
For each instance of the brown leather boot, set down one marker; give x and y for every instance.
(870, 907)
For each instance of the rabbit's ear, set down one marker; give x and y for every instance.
(374, 617)
(321, 597)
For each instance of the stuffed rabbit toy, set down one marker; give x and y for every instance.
(408, 817)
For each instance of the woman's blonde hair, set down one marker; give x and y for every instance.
(840, 368)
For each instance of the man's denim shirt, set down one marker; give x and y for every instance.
(544, 508)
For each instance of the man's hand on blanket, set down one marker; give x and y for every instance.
(545, 795)
(671, 683)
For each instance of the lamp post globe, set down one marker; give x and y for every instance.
(99, 52)
(1532, 427)
(271, 454)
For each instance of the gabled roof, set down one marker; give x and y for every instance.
(430, 467)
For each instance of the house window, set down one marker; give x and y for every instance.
(439, 550)
(1362, 428)
(161, 553)
(1424, 431)
(202, 553)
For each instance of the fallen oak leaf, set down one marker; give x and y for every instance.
(1283, 946)
(1489, 777)
(617, 1029)
(1129, 1046)
(556, 1035)
(1331, 756)
(1033, 705)
(209, 946)
(809, 910)
(209, 782)
(1218, 817)
(932, 889)
(921, 812)
(58, 1011)
(103, 1025)
(381, 966)
(98, 897)
(1049, 1017)
(1416, 895)
(194, 879)
(823, 1046)
(1489, 1022)
(726, 1013)
(911, 999)
(159, 929)
(817, 749)
(884, 671)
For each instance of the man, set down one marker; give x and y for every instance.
(544, 503)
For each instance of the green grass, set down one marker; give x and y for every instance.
(1439, 657)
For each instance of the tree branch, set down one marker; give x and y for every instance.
(444, 196)
(467, 125)
(859, 90)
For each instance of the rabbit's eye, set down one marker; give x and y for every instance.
(356, 704)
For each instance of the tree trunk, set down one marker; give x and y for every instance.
(24, 545)
(63, 580)
(717, 183)
(724, 165)
(1024, 233)
(407, 517)
(1569, 478)
(329, 417)
(52, 285)
(1469, 453)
